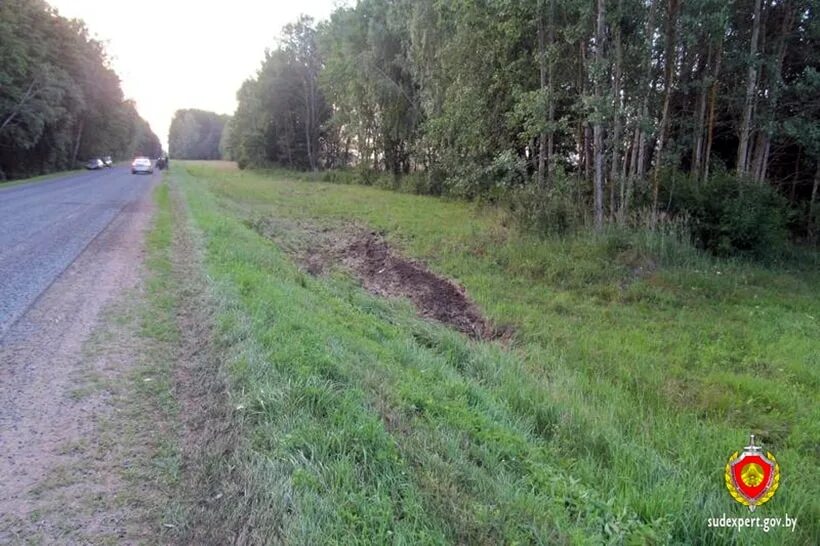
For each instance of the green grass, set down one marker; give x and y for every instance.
(150, 409)
(608, 420)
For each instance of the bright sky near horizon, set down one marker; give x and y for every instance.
(173, 54)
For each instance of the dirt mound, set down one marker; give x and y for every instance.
(384, 273)
(381, 271)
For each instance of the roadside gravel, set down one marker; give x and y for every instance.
(59, 481)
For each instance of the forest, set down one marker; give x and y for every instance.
(60, 101)
(196, 134)
(643, 113)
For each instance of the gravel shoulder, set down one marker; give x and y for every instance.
(62, 456)
(45, 226)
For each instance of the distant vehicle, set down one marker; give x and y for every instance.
(161, 163)
(142, 165)
(108, 161)
(94, 164)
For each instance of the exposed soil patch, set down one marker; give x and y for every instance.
(384, 272)
(387, 274)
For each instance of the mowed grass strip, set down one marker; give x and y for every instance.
(609, 420)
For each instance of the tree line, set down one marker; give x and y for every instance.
(60, 102)
(626, 108)
(196, 134)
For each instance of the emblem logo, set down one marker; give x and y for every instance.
(752, 477)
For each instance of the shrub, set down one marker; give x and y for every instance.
(466, 181)
(732, 216)
(417, 182)
(546, 211)
(339, 176)
(367, 176)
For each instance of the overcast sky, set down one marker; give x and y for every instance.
(173, 54)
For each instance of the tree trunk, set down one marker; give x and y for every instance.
(775, 79)
(630, 180)
(583, 124)
(550, 87)
(795, 177)
(31, 91)
(346, 156)
(306, 124)
(812, 228)
(646, 84)
(579, 145)
(671, 41)
(756, 164)
(291, 137)
(640, 165)
(710, 128)
(700, 117)
(598, 129)
(598, 139)
(80, 127)
(618, 105)
(748, 103)
(542, 69)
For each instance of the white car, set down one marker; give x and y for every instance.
(94, 164)
(142, 165)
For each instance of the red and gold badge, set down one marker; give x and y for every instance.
(752, 477)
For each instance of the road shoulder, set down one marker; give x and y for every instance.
(88, 434)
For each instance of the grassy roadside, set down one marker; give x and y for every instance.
(146, 433)
(117, 477)
(149, 415)
(608, 421)
(178, 395)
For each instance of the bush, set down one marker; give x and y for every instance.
(417, 182)
(488, 181)
(339, 176)
(732, 216)
(546, 211)
(366, 176)
(466, 181)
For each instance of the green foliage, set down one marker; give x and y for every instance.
(478, 94)
(281, 115)
(196, 134)
(225, 142)
(551, 211)
(60, 103)
(731, 216)
(367, 77)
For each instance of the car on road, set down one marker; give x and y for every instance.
(142, 165)
(108, 161)
(94, 164)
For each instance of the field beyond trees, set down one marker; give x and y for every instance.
(626, 378)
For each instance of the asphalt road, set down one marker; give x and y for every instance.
(45, 226)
